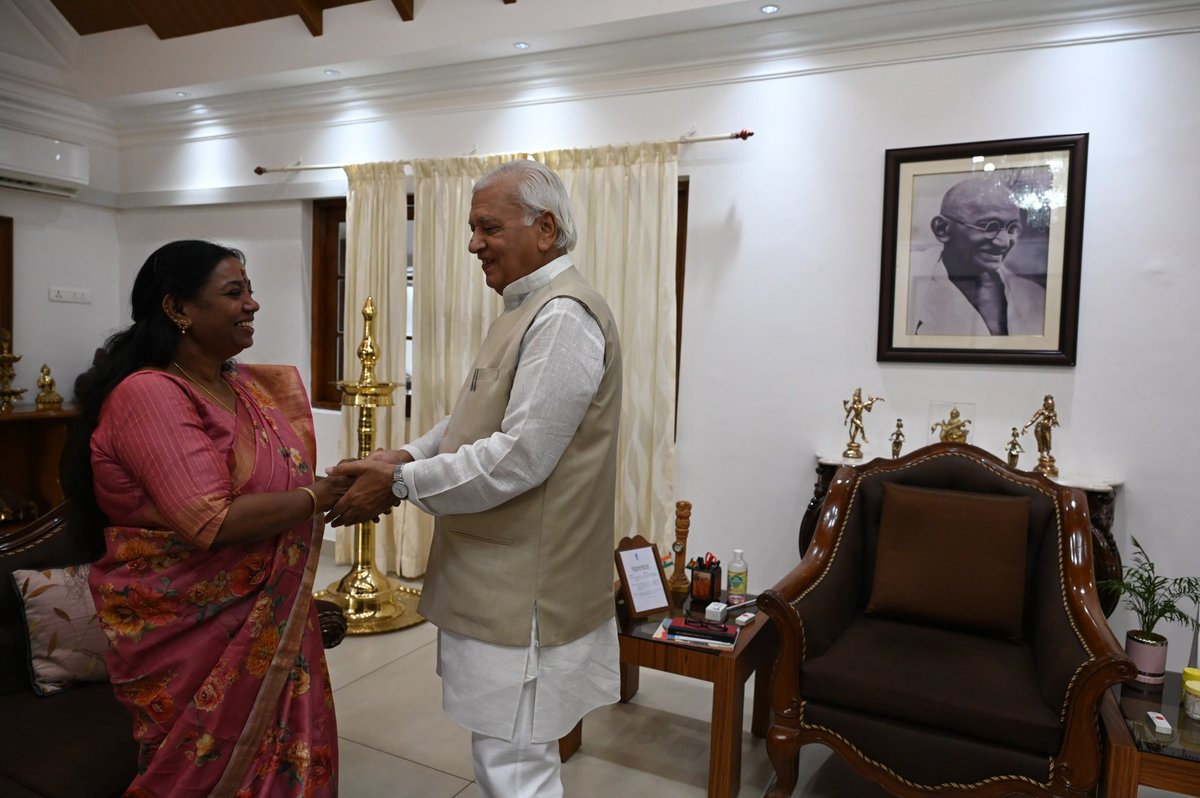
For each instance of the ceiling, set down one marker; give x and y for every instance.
(125, 59)
(172, 18)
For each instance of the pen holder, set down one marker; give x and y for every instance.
(706, 585)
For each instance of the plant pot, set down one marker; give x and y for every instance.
(1149, 654)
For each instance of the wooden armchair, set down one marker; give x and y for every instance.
(943, 632)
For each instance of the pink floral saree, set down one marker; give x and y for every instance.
(216, 652)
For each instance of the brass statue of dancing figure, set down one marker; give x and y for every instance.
(1042, 422)
(854, 410)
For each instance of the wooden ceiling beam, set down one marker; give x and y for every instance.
(310, 11)
(404, 8)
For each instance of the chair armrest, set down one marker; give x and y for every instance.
(810, 605)
(1083, 597)
(1070, 626)
(1080, 674)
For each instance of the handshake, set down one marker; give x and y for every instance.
(364, 487)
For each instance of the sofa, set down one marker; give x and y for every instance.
(77, 742)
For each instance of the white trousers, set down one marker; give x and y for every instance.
(517, 768)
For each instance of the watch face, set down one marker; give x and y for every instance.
(677, 547)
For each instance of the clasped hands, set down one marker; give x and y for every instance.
(370, 496)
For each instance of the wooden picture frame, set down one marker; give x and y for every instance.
(643, 580)
(929, 300)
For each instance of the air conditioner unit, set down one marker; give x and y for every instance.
(45, 165)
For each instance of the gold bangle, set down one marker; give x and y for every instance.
(316, 504)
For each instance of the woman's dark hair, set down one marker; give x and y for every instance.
(181, 269)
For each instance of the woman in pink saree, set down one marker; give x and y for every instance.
(201, 476)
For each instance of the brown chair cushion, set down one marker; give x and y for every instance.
(981, 687)
(951, 558)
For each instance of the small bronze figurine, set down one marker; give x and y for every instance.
(854, 409)
(47, 398)
(954, 429)
(1013, 448)
(897, 437)
(1043, 421)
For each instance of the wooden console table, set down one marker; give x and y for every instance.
(1101, 499)
(32, 450)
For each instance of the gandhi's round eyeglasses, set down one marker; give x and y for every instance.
(992, 227)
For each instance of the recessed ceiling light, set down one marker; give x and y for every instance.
(770, 8)
(521, 45)
(332, 73)
(182, 94)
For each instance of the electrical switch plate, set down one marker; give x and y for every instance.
(80, 295)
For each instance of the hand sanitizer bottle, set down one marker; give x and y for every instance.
(737, 579)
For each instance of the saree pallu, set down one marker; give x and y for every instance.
(216, 652)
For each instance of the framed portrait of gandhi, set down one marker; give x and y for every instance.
(981, 252)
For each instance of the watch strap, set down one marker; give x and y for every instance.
(399, 488)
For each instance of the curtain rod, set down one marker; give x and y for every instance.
(742, 135)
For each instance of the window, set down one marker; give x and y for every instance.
(328, 303)
(329, 288)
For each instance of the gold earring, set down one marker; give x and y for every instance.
(183, 325)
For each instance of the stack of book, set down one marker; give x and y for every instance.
(686, 630)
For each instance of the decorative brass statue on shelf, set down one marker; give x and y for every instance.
(1013, 448)
(1043, 421)
(954, 429)
(47, 398)
(8, 394)
(897, 437)
(854, 409)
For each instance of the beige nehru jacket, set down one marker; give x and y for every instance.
(552, 546)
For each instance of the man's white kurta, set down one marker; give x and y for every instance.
(561, 363)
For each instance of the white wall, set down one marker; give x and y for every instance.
(67, 245)
(783, 264)
(276, 238)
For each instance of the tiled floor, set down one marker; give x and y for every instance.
(397, 743)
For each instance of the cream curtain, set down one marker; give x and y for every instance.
(376, 266)
(624, 199)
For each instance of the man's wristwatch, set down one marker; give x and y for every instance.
(399, 489)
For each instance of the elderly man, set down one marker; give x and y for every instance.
(969, 290)
(521, 477)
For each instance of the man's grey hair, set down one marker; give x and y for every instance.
(539, 190)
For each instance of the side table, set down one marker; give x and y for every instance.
(1134, 754)
(726, 670)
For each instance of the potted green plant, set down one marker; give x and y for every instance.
(1152, 598)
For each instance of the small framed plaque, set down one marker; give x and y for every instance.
(643, 581)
